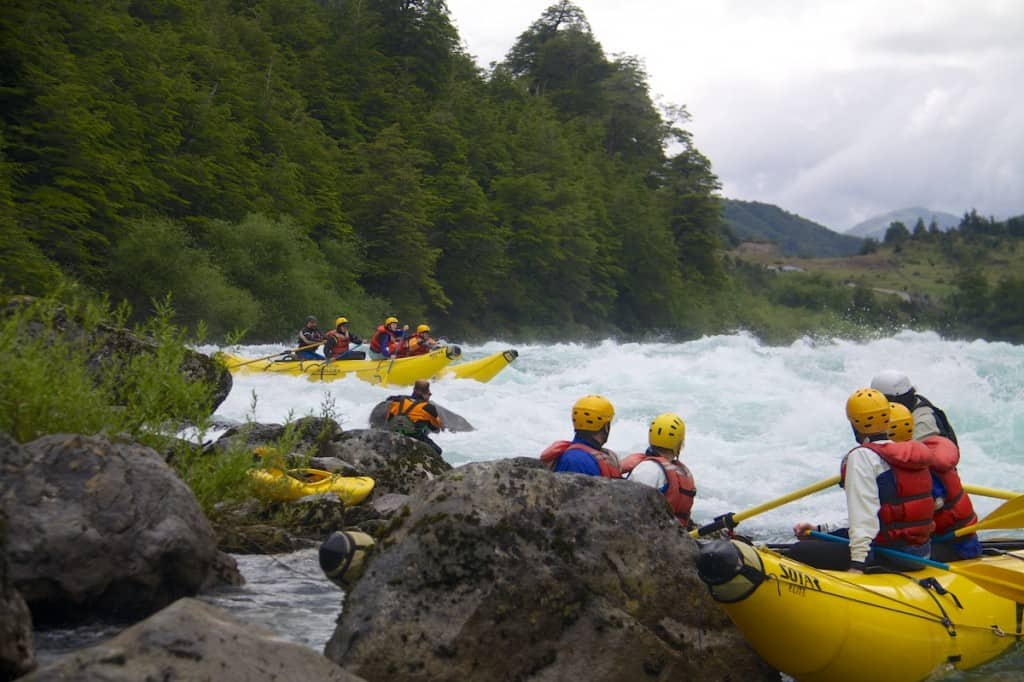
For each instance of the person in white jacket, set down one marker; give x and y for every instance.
(888, 495)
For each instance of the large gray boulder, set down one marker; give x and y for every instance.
(17, 655)
(396, 463)
(191, 640)
(503, 570)
(100, 527)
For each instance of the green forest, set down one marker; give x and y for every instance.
(256, 161)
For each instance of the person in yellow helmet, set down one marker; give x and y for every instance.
(585, 454)
(889, 495)
(340, 343)
(419, 343)
(659, 466)
(388, 338)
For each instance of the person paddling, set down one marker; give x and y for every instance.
(339, 342)
(309, 335)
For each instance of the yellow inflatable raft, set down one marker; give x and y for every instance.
(396, 372)
(831, 626)
(483, 369)
(286, 486)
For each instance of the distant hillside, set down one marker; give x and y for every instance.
(875, 227)
(795, 236)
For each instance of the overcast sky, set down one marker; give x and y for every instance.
(834, 110)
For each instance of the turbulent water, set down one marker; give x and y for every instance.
(761, 422)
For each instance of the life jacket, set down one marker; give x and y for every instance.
(904, 492)
(384, 337)
(607, 461)
(681, 487)
(956, 511)
(336, 343)
(416, 346)
(941, 421)
(409, 415)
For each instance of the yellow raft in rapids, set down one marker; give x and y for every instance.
(483, 369)
(397, 372)
(286, 486)
(831, 626)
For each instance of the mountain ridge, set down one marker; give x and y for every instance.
(875, 227)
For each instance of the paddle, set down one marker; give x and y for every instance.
(731, 519)
(1007, 516)
(990, 492)
(1005, 582)
(274, 355)
(338, 359)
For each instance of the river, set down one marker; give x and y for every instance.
(761, 421)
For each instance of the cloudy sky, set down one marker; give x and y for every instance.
(834, 110)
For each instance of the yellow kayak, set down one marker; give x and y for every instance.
(398, 372)
(286, 486)
(830, 626)
(482, 370)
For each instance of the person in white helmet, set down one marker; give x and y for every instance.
(929, 420)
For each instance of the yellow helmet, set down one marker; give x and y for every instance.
(422, 328)
(340, 321)
(901, 422)
(592, 413)
(667, 431)
(868, 411)
(389, 320)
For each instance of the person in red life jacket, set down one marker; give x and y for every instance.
(585, 454)
(414, 415)
(953, 506)
(888, 495)
(928, 419)
(659, 467)
(385, 342)
(419, 343)
(339, 342)
(309, 335)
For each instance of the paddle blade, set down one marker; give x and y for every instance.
(1002, 580)
(1007, 516)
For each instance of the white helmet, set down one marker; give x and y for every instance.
(650, 473)
(892, 383)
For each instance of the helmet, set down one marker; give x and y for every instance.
(892, 382)
(667, 431)
(311, 318)
(650, 473)
(422, 328)
(901, 422)
(389, 320)
(591, 413)
(868, 411)
(340, 321)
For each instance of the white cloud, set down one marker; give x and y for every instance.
(833, 110)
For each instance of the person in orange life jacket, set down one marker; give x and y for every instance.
(414, 416)
(309, 335)
(888, 495)
(953, 506)
(659, 466)
(928, 419)
(387, 339)
(419, 343)
(339, 340)
(585, 454)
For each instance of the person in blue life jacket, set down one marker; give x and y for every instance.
(339, 343)
(585, 454)
(889, 496)
(414, 415)
(386, 341)
(309, 335)
(929, 420)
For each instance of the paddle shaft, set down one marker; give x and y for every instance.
(274, 355)
(990, 492)
(882, 550)
(730, 520)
